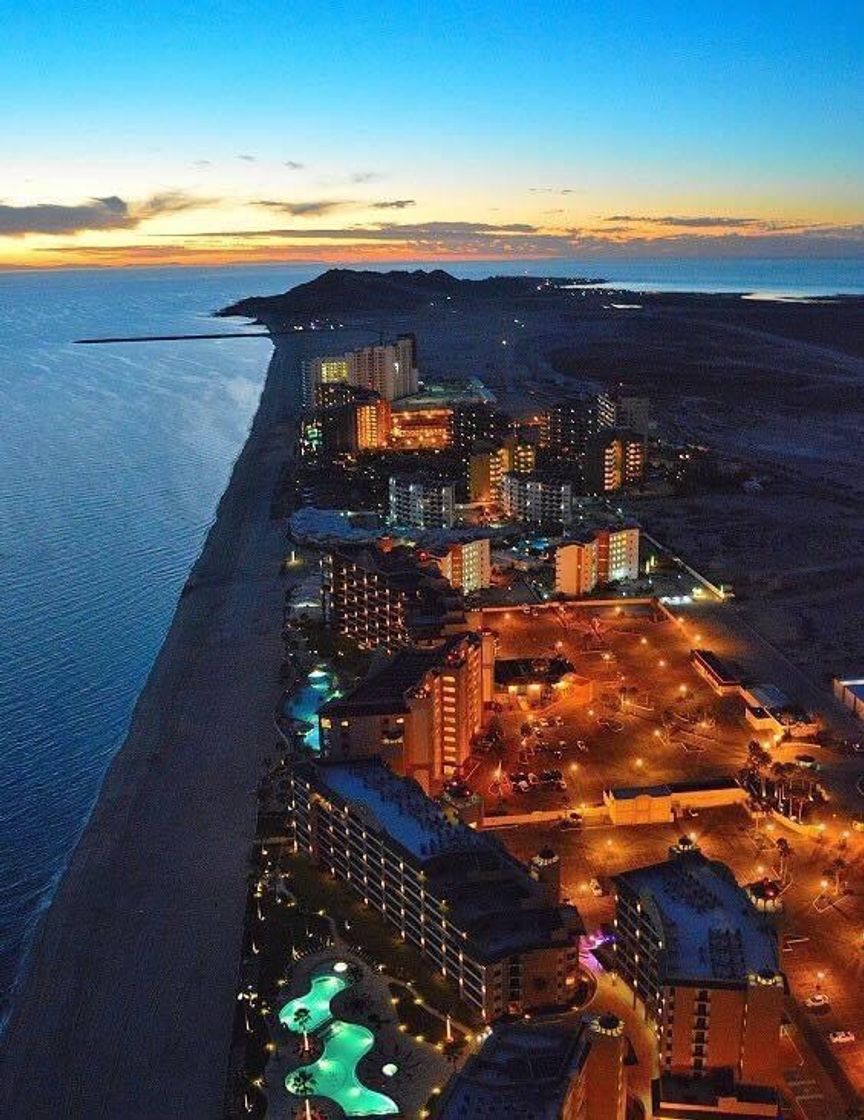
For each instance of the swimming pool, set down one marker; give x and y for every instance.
(304, 704)
(334, 1075)
(316, 1001)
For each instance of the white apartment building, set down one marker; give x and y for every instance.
(421, 504)
(535, 500)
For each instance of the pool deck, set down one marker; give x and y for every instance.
(420, 1066)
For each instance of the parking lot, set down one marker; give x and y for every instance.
(652, 720)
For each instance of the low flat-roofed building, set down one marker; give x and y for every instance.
(542, 1072)
(704, 962)
(473, 910)
(723, 677)
(662, 804)
(851, 692)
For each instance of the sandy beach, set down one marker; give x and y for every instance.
(126, 1006)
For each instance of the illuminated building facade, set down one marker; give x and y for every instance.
(576, 566)
(465, 564)
(381, 598)
(617, 554)
(389, 369)
(419, 712)
(420, 429)
(476, 422)
(536, 499)
(469, 907)
(421, 503)
(623, 408)
(486, 468)
(613, 459)
(570, 425)
(691, 946)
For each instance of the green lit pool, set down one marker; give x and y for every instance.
(335, 1073)
(316, 1002)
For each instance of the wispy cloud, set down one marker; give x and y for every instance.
(394, 204)
(552, 190)
(293, 165)
(702, 222)
(311, 208)
(106, 213)
(366, 177)
(248, 159)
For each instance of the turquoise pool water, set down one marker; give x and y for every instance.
(317, 1003)
(305, 703)
(335, 1072)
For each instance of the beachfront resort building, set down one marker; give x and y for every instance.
(381, 597)
(620, 407)
(704, 963)
(419, 711)
(421, 503)
(389, 369)
(473, 911)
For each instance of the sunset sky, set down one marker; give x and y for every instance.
(197, 133)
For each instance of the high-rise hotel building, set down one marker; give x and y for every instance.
(389, 369)
(470, 908)
(418, 711)
(382, 598)
(704, 963)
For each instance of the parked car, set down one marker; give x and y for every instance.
(818, 999)
(596, 888)
(570, 823)
(840, 1038)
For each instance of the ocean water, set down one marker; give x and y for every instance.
(112, 461)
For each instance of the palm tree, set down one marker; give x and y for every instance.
(302, 1084)
(784, 850)
(758, 761)
(301, 1017)
(838, 866)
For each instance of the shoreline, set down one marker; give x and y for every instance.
(125, 1003)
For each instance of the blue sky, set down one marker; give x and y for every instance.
(551, 116)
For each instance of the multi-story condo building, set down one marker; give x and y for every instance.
(419, 711)
(704, 962)
(388, 369)
(422, 503)
(537, 499)
(620, 407)
(576, 565)
(486, 466)
(476, 422)
(546, 1071)
(382, 598)
(617, 553)
(465, 564)
(470, 908)
(612, 459)
(570, 425)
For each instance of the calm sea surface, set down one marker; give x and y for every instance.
(112, 460)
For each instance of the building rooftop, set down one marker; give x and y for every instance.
(491, 895)
(723, 671)
(522, 1070)
(386, 687)
(710, 930)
